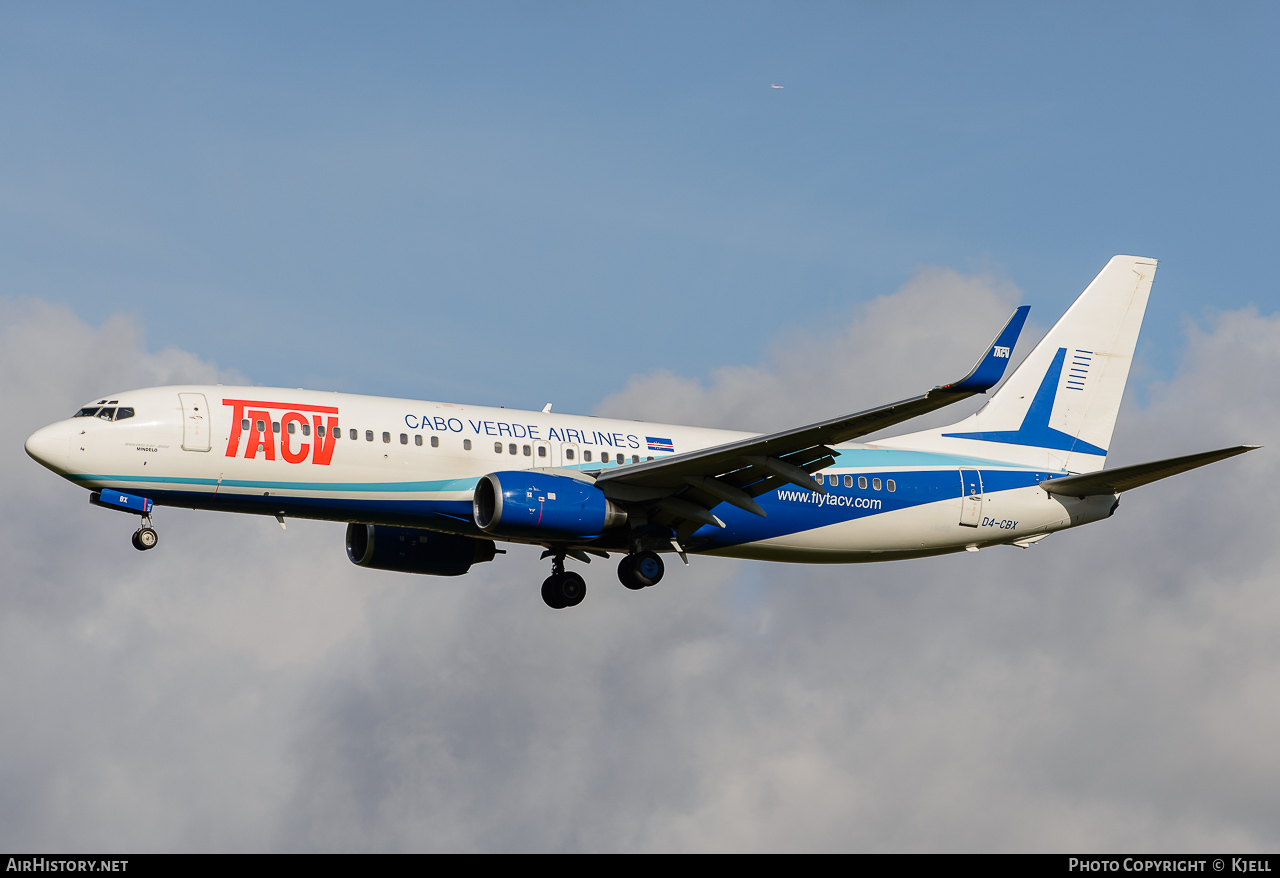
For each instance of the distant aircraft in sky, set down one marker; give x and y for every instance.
(771, 85)
(429, 487)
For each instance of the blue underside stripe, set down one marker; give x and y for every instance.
(790, 509)
(351, 487)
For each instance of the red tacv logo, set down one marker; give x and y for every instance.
(262, 437)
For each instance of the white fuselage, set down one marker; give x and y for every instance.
(377, 460)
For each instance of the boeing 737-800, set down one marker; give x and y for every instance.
(428, 487)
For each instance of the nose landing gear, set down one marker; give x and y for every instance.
(563, 588)
(641, 570)
(145, 537)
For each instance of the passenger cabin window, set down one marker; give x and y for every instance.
(435, 442)
(417, 438)
(635, 458)
(542, 451)
(306, 429)
(512, 448)
(891, 485)
(568, 454)
(526, 451)
(848, 481)
(262, 426)
(586, 455)
(293, 427)
(320, 432)
(833, 481)
(275, 426)
(862, 482)
(466, 444)
(404, 439)
(386, 437)
(497, 447)
(353, 435)
(244, 424)
(368, 435)
(875, 484)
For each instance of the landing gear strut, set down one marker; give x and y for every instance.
(563, 588)
(145, 537)
(641, 570)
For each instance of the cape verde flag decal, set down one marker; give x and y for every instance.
(656, 444)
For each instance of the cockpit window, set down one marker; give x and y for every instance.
(107, 413)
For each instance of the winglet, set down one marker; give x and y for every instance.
(990, 369)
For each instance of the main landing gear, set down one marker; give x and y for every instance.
(641, 570)
(563, 588)
(145, 537)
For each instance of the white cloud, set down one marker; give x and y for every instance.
(927, 333)
(241, 687)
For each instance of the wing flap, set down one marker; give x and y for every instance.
(759, 464)
(804, 445)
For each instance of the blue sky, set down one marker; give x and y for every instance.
(508, 202)
(514, 203)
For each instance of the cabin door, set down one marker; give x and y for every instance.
(195, 422)
(970, 497)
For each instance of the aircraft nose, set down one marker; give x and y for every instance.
(51, 446)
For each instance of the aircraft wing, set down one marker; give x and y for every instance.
(685, 487)
(1122, 478)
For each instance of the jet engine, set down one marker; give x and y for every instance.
(411, 550)
(543, 506)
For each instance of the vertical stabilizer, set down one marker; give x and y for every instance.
(1059, 408)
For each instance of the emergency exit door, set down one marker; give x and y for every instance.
(971, 497)
(196, 423)
(542, 454)
(570, 455)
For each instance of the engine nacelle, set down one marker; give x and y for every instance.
(543, 506)
(411, 550)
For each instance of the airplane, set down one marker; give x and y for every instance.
(432, 487)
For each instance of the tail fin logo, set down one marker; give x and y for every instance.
(1035, 430)
(1000, 351)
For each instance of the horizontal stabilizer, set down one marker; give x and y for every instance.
(1122, 478)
